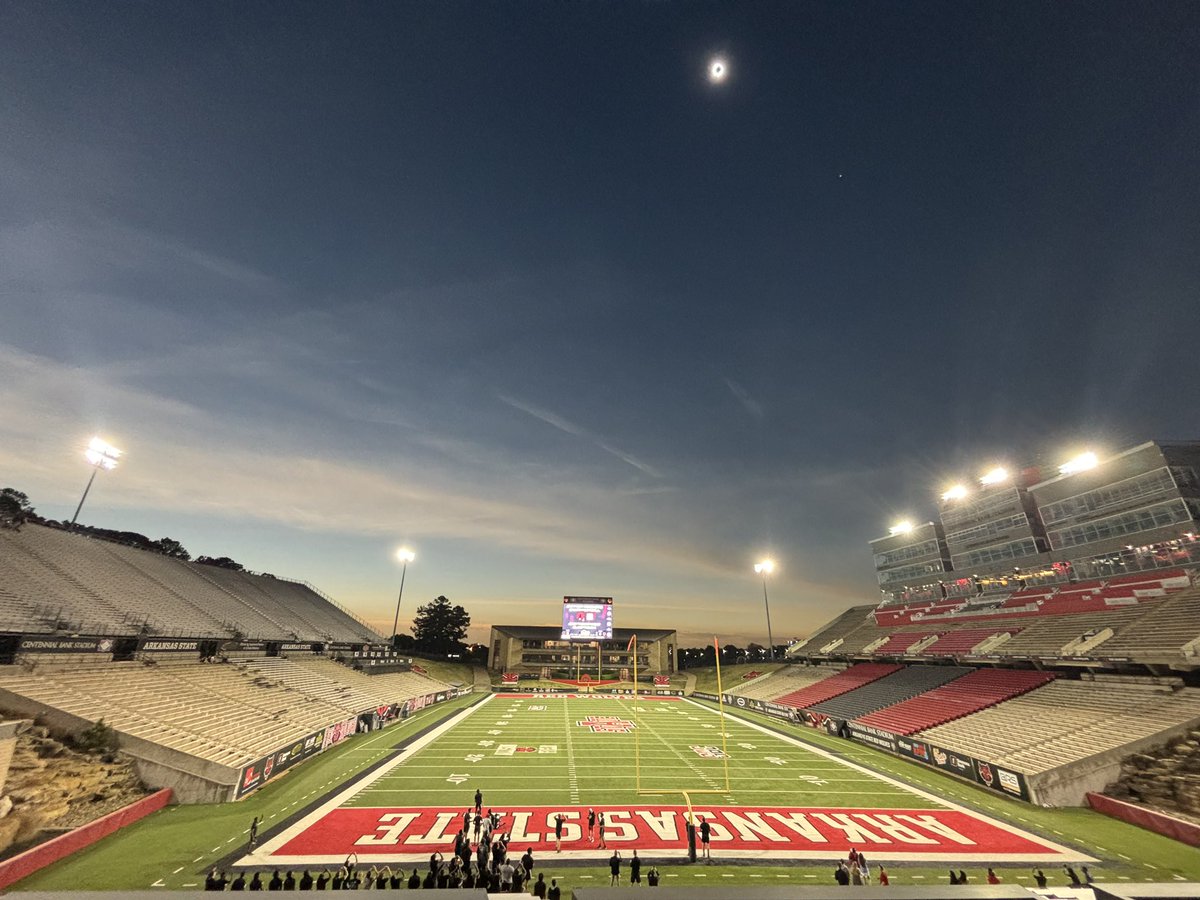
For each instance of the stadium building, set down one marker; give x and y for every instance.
(539, 650)
(1136, 511)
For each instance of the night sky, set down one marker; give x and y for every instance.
(514, 284)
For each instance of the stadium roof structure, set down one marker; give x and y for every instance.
(554, 632)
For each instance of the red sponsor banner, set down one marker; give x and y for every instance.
(662, 680)
(385, 832)
(510, 678)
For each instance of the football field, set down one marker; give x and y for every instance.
(641, 762)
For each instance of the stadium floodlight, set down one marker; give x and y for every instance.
(100, 454)
(994, 476)
(405, 555)
(765, 568)
(1080, 463)
(901, 528)
(954, 493)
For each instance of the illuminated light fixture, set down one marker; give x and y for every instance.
(901, 528)
(765, 568)
(955, 493)
(404, 556)
(995, 476)
(100, 454)
(1080, 463)
(718, 70)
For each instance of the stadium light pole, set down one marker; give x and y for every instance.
(100, 455)
(405, 556)
(765, 568)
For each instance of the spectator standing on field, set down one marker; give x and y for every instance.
(555, 893)
(1039, 878)
(614, 864)
(600, 825)
(883, 876)
(705, 837)
(635, 869)
(558, 828)
(591, 820)
(652, 877)
(539, 887)
(478, 800)
(254, 831)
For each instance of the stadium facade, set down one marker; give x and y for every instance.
(540, 650)
(1136, 511)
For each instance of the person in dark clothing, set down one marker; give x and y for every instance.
(495, 886)
(962, 877)
(1087, 876)
(430, 881)
(478, 821)
(953, 877)
(306, 881)
(323, 880)
(519, 880)
(466, 822)
(478, 799)
(558, 829)
(1039, 878)
(539, 887)
(210, 881)
(256, 882)
(705, 837)
(469, 876)
(1075, 880)
(414, 881)
(254, 831)
(554, 893)
(339, 879)
(276, 883)
(591, 820)
(289, 881)
(635, 869)
(841, 874)
(381, 878)
(614, 868)
(396, 879)
(435, 862)
(527, 862)
(652, 877)
(239, 883)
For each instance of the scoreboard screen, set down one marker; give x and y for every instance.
(587, 619)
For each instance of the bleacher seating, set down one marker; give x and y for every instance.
(224, 713)
(784, 681)
(1067, 721)
(847, 680)
(1162, 631)
(836, 631)
(963, 641)
(897, 644)
(52, 580)
(892, 688)
(972, 692)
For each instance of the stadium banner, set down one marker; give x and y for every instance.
(662, 680)
(339, 731)
(299, 646)
(874, 737)
(703, 696)
(990, 775)
(259, 772)
(167, 645)
(65, 645)
(380, 834)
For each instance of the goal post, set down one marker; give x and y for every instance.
(637, 745)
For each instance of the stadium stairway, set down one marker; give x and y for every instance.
(854, 677)
(955, 699)
(894, 688)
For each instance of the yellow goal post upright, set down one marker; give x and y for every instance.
(643, 790)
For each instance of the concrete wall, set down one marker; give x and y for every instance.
(194, 780)
(1069, 785)
(8, 743)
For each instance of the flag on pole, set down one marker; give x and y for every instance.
(632, 644)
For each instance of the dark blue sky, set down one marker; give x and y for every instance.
(514, 283)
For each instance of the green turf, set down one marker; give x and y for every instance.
(449, 672)
(188, 839)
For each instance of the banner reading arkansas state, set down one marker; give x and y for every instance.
(391, 833)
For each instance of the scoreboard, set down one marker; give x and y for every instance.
(587, 619)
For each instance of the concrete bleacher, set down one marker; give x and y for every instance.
(827, 688)
(1065, 721)
(229, 714)
(835, 633)
(893, 688)
(1164, 631)
(785, 681)
(972, 692)
(53, 580)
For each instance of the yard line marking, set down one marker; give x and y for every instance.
(177, 871)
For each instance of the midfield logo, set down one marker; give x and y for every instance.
(607, 725)
(511, 749)
(708, 752)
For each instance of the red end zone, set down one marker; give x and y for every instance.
(397, 833)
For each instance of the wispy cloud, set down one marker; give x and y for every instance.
(564, 425)
(751, 405)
